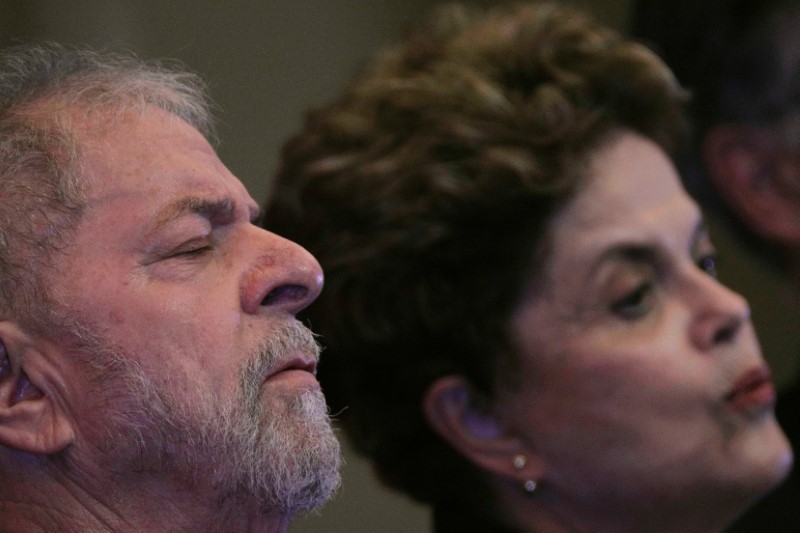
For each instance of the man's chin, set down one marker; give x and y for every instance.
(298, 454)
(275, 453)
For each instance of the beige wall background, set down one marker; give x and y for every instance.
(266, 62)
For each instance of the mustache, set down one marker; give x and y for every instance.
(286, 342)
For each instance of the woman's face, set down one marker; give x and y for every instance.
(642, 383)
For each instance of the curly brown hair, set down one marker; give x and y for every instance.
(425, 192)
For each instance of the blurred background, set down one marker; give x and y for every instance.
(266, 63)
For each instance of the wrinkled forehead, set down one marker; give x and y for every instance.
(117, 133)
(152, 150)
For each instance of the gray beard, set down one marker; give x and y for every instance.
(276, 454)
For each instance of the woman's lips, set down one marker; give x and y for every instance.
(753, 390)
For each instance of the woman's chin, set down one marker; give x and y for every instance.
(764, 457)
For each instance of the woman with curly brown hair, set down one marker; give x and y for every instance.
(521, 315)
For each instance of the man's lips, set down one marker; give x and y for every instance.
(754, 389)
(299, 364)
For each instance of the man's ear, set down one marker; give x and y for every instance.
(30, 416)
(453, 411)
(749, 172)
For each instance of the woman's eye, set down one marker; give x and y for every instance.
(708, 264)
(634, 304)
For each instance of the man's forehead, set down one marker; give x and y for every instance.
(155, 154)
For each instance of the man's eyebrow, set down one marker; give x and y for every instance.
(194, 205)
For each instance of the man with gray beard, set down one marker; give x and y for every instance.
(153, 376)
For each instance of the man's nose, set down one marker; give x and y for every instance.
(284, 277)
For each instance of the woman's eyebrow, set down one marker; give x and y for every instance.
(643, 251)
(628, 251)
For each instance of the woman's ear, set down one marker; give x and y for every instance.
(473, 429)
(30, 417)
(744, 166)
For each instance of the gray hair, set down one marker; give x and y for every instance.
(41, 197)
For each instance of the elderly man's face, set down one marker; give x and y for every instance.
(194, 367)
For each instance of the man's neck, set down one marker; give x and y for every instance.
(27, 507)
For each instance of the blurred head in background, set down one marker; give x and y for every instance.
(741, 62)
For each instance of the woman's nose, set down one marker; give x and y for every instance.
(720, 314)
(284, 277)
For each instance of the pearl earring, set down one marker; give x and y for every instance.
(519, 462)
